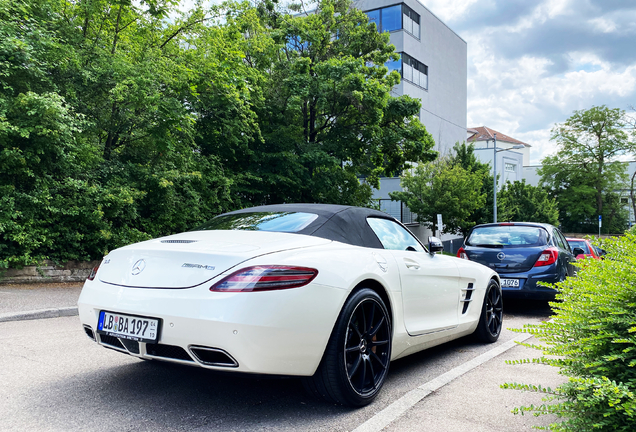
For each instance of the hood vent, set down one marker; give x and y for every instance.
(179, 241)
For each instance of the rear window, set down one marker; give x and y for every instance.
(289, 222)
(580, 244)
(507, 235)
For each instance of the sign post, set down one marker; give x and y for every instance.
(600, 222)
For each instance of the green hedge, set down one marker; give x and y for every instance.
(592, 339)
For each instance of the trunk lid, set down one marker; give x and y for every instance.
(506, 247)
(505, 260)
(192, 258)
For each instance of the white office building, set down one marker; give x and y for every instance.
(433, 65)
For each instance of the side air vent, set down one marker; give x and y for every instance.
(111, 341)
(213, 356)
(468, 297)
(168, 351)
(179, 241)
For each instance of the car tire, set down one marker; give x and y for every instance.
(356, 361)
(491, 319)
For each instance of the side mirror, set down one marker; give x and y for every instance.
(434, 245)
(578, 251)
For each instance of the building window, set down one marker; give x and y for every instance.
(398, 210)
(414, 71)
(510, 167)
(410, 21)
(395, 65)
(394, 18)
(624, 201)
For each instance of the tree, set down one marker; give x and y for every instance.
(523, 202)
(326, 118)
(122, 120)
(585, 171)
(464, 155)
(441, 187)
(97, 128)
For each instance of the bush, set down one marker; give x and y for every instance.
(592, 340)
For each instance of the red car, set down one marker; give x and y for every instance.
(587, 247)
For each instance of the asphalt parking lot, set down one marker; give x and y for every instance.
(453, 387)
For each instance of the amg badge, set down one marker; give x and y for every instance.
(200, 266)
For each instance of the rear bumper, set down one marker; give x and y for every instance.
(276, 332)
(531, 284)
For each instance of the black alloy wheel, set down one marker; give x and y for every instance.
(356, 360)
(491, 320)
(367, 347)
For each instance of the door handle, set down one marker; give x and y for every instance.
(411, 264)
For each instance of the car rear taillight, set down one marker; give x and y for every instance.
(265, 278)
(461, 253)
(93, 273)
(547, 257)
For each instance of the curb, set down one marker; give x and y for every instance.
(39, 314)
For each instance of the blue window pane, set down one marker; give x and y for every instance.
(392, 18)
(374, 16)
(394, 65)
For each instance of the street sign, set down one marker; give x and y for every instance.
(600, 220)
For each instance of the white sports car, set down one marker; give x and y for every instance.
(330, 293)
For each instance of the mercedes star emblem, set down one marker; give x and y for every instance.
(138, 267)
(501, 256)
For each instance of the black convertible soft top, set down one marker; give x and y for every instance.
(346, 224)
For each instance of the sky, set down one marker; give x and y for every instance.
(532, 63)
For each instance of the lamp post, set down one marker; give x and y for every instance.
(494, 175)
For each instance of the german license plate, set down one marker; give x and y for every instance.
(141, 329)
(510, 283)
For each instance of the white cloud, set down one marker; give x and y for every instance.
(539, 139)
(520, 98)
(604, 25)
(449, 10)
(524, 93)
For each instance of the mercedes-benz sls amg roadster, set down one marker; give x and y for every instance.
(324, 292)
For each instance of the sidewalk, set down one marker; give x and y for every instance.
(472, 400)
(36, 301)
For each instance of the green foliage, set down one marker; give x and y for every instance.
(458, 186)
(585, 173)
(519, 201)
(121, 121)
(592, 339)
(326, 116)
(441, 187)
(96, 134)
(464, 155)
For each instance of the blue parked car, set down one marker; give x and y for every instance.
(525, 254)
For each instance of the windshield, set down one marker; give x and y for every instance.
(289, 222)
(507, 236)
(580, 244)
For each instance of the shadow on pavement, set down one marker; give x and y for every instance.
(528, 308)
